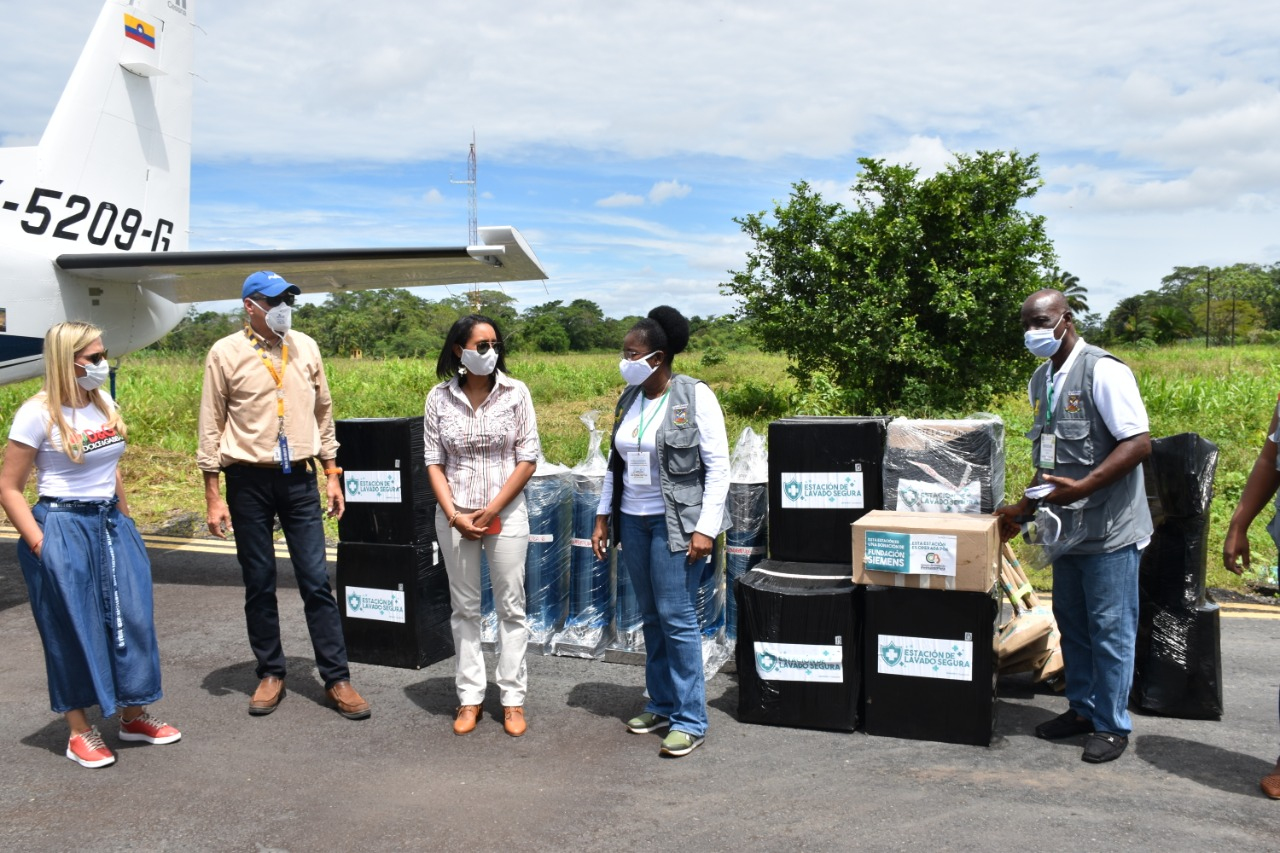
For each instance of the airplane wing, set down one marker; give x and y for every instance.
(209, 276)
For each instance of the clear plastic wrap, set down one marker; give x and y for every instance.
(944, 465)
(549, 497)
(747, 539)
(592, 582)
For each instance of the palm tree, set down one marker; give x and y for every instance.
(1077, 295)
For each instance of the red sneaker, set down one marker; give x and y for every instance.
(88, 750)
(147, 728)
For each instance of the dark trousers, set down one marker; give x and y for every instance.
(255, 497)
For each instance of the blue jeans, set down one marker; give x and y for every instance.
(90, 594)
(666, 588)
(1095, 600)
(255, 497)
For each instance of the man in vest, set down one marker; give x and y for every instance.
(1088, 440)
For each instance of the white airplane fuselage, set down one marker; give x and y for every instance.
(94, 220)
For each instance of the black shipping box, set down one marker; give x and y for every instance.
(824, 474)
(389, 498)
(798, 649)
(394, 601)
(1178, 667)
(930, 664)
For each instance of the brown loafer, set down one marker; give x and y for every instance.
(350, 703)
(268, 695)
(513, 720)
(1271, 783)
(465, 720)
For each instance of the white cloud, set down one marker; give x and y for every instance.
(621, 200)
(433, 196)
(664, 190)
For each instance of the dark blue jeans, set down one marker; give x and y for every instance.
(256, 497)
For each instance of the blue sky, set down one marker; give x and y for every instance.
(622, 139)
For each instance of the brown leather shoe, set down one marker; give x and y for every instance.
(268, 695)
(350, 703)
(513, 720)
(466, 719)
(1271, 783)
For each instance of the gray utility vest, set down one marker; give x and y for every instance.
(680, 469)
(1116, 515)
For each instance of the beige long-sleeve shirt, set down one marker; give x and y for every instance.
(238, 420)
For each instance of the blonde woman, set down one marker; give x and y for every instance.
(86, 569)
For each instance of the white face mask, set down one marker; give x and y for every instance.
(636, 372)
(1041, 343)
(94, 375)
(480, 365)
(280, 319)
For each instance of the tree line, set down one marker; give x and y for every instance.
(397, 323)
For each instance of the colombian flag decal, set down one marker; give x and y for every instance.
(139, 31)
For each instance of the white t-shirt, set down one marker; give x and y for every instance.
(56, 475)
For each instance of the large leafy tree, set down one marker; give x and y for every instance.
(909, 301)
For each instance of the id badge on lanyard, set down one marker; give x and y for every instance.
(638, 473)
(1048, 441)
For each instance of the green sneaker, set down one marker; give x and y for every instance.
(644, 723)
(679, 743)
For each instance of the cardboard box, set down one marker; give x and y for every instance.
(927, 550)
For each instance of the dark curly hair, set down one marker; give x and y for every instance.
(664, 329)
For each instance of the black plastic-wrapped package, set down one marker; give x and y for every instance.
(944, 465)
(1172, 572)
(799, 643)
(388, 496)
(394, 603)
(1179, 475)
(930, 671)
(824, 474)
(1177, 670)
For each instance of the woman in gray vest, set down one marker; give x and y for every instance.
(664, 498)
(1261, 487)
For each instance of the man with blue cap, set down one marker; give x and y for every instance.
(266, 418)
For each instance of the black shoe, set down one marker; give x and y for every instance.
(1103, 746)
(1065, 725)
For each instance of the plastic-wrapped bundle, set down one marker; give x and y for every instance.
(746, 540)
(591, 581)
(1179, 481)
(1178, 659)
(488, 610)
(944, 465)
(628, 622)
(710, 603)
(549, 496)
(1178, 666)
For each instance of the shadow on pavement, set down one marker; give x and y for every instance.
(1211, 766)
(436, 696)
(605, 699)
(241, 678)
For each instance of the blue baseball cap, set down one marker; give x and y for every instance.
(268, 284)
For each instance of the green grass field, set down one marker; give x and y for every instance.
(1225, 395)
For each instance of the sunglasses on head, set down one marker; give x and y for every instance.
(483, 347)
(96, 358)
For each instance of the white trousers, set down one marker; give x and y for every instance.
(506, 552)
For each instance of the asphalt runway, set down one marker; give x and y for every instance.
(304, 778)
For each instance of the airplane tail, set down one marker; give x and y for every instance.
(113, 168)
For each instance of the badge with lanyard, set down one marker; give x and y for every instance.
(281, 452)
(1048, 441)
(638, 471)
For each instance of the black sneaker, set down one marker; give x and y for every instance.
(1065, 725)
(1103, 746)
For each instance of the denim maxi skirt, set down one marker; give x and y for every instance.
(91, 598)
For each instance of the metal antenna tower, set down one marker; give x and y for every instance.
(473, 227)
